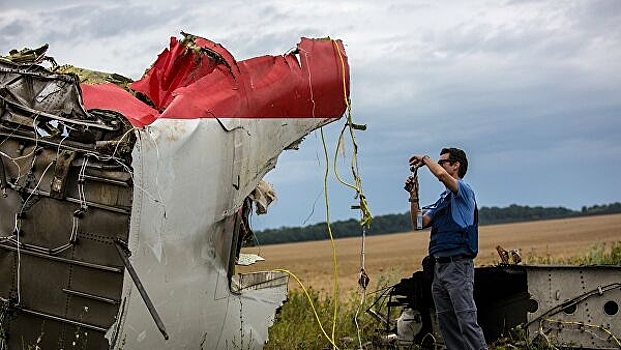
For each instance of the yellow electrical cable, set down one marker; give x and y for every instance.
(334, 260)
(329, 226)
(575, 323)
(310, 301)
(366, 216)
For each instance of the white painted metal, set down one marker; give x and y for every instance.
(575, 306)
(190, 178)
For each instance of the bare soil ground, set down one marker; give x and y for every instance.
(398, 255)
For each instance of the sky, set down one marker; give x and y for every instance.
(531, 90)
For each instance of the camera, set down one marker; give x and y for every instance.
(408, 186)
(410, 182)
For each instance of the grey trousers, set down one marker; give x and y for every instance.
(452, 290)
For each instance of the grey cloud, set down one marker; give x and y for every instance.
(10, 34)
(92, 22)
(519, 84)
(598, 13)
(14, 27)
(80, 23)
(253, 30)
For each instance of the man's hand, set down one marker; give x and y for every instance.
(417, 161)
(411, 185)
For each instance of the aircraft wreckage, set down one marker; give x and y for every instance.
(123, 207)
(552, 306)
(124, 203)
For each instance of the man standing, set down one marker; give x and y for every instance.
(453, 244)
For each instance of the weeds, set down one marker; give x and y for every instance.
(296, 327)
(601, 254)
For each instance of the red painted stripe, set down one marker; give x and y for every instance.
(206, 81)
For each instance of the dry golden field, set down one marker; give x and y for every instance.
(399, 255)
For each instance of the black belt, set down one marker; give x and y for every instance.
(448, 259)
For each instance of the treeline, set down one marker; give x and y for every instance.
(394, 223)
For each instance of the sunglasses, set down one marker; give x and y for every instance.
(442, 161)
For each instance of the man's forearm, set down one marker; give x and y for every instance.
(414, 208)
(439, 172)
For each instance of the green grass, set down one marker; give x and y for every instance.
(601, 254)
(296, 327)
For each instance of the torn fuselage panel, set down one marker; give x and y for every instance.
(68, 196)
(575, 306)
(130, 234)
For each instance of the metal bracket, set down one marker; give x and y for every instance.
(124, 253)
(63, 162)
